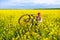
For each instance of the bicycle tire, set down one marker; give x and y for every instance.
(19, 20)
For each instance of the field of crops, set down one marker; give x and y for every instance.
(48, 29)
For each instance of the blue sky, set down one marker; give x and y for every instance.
(29, 4)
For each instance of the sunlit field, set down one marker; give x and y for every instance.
(48, 29)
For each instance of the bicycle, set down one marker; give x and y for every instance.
(28, 20)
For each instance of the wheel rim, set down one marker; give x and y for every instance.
(23, 20)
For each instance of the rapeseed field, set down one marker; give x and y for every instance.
(48, 29)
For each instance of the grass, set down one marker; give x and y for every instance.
(49, 29)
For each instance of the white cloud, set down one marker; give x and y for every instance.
(47, 1)
(37, 1)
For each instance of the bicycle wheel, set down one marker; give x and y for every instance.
(24, 19)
